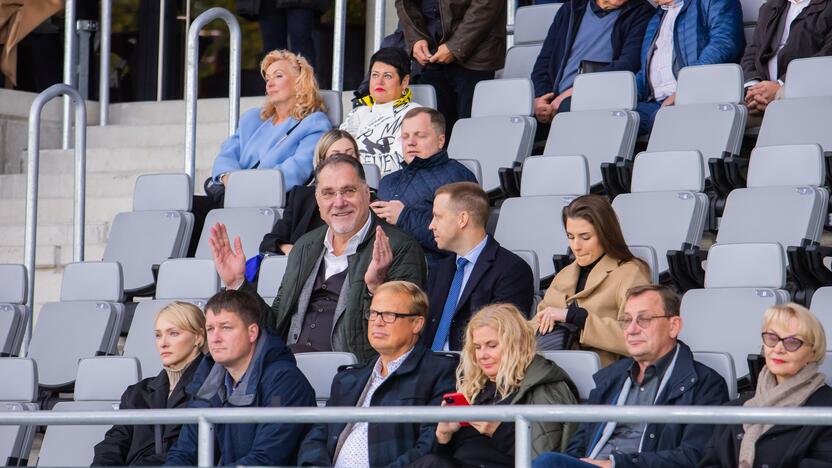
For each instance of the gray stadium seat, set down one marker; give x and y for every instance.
(808, 77)
(797, 121)
(821, 306)
(254, 201)
(320, 369)
(520, 60)
(648, 254)
(100, 383)
(750, 10)
(580, 365)
(602, 105)
(554, 175)
(158, 228)
(13, 311)
(19, 392)
(723, 365)
(506, 97)
(86, 322)
(334, 106)
(189, 280)
(826, 367)
(372, 174)
(531, 23)
(270, 276)
(741, 281)
(531, 258)
(782, 202)
(474, 166)
(709, 115)
(666, 207)
(424, 94)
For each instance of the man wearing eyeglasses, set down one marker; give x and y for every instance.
(406, 373)
(660, 371)
(332, 271)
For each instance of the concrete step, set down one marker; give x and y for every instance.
(17, 104)
(51, 256)
(54, 234)
(119, 136)
(128, 159)
(173, 112)
(60, 210)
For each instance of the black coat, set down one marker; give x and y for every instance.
(136, 445)
(780, 446)
(421, 380)
(498, 276)
(300, 216)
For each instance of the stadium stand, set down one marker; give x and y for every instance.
(580, 365)
(19, 392)
(320, 369)
(13, 311)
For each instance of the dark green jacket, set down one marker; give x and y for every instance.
(546, 383)
(349, 333)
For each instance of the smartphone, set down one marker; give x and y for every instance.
(456, 399)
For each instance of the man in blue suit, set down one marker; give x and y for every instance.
(481, 272)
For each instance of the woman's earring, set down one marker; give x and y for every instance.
(404, 92)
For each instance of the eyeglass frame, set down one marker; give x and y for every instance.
(782, 340)
(396, 315)
(625, 324)
(347, 193)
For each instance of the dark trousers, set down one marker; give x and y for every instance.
(454, 87)
(647, 114)
(288, 28)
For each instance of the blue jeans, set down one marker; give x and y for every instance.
(559, 460)
(647, 114)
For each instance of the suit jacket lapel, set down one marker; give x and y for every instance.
(482, 265)
(597, 276)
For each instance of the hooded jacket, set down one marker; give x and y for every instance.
(271, 380)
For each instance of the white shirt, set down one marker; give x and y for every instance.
(354, 452)
(661, 65)
(337, 263)
(472, 256)
(377, 129)
(795, 7)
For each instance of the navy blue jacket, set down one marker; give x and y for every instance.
(691, 383)
(706, 32)
(415, 185)
(421, 380)
(498, 276)
(627, 35)
(272, 379)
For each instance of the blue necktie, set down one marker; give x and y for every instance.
(450, 306)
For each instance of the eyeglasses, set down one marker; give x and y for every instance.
(387, 317)
(791, 343)
(348, 193)
(642, 321)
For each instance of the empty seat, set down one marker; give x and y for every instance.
(474, 166)
(602, 124)
(807, 77)
(516, 97)
(186, 279)
(86, 323)
(320, 369)
(797, 121)
(158, 228)
(532, 23)
(372, 174)
(270, 276)
(741, 282)
(666, 208)
(18, 393)
(13, 311)
(254, 201)
(424, 94)
(723, 364)
(554, 175)
(580, 365)
(334, 106)
(99, 386)
(520, 60)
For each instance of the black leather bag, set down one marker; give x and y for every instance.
(249, 9)
(559, 339)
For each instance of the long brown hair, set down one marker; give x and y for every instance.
(597, 211)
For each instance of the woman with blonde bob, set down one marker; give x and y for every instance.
(499, 366)
(180, 340)
(301, 214)
(794, 344)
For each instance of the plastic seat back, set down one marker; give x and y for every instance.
(424, 94)
(520, 60)
(531, 23)
(505, 97)
(797, 121)
(580, 365)
(18, 393)
(271, 276)
(723, 364)
(13, 312)
(554, 175)
(334, 106)
(320, 369)
(806, 77)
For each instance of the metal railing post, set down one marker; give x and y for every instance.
(511, 10)
(104, 72)
(160, 52)
(379, 18)
(33, 165)
(338, 43)
(70, 57)
(192, 78)
(522, 443)
(205, 443)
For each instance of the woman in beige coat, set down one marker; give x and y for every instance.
(589, 293)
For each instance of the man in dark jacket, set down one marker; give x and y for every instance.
(786, 30)
(480, 273)
(661, 371)
(406, 196)
(459, 43)
(586, 36)
(405, 374)
(248, 367)
(333, 270)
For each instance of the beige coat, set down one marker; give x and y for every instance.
(17, 20)
(603, 299)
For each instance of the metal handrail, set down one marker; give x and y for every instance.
(521, 415)
(511, 12)
(338, 42)
(379, 20)
(70, 59)
(104, 67)
(33, 166)
(192, 80)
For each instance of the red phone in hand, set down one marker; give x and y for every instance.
(456, 399)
